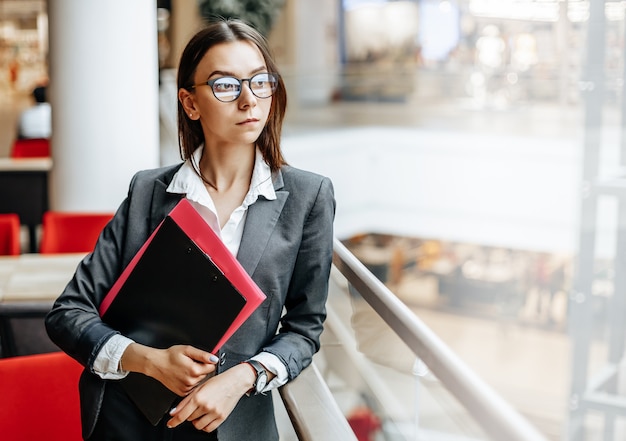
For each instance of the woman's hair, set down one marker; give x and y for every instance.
(225, 31)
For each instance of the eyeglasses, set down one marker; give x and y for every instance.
(227, 89)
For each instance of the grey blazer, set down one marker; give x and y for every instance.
(287, 249)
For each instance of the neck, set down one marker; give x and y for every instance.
(207, 182)
(220, 172)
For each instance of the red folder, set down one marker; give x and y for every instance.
(182, 287)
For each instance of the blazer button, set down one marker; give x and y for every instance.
(222, 358)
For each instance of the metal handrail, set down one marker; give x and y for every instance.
(312, 409)
(497, 418)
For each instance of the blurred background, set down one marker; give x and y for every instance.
(477, 148)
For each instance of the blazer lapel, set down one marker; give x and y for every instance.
(162, 202)
(260, 222)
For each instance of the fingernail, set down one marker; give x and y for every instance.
(172, 410)
(213, 359)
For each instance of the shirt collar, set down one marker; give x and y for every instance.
(186, 181)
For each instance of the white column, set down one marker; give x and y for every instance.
(104, 97)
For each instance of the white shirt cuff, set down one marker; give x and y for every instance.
(107, 363)
(273, 364)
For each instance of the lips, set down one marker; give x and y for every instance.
(247, 121)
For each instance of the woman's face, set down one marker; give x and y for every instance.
(237, 122)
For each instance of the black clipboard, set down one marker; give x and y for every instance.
(173, 292)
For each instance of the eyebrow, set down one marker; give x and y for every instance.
(231, 74)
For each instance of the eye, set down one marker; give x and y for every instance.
(263, 84)
(262, 80)
(226, 84)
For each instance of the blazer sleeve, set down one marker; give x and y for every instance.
(74, 323)
(298, 338)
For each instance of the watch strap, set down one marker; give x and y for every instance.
(259, 370)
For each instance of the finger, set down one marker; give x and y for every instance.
(212, 425)
(194, 417)
(176, 420)
(200, 372)
(180, 413)
(173, 422)
(200, 355)
(205, 423)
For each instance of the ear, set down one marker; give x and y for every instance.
(187, 100)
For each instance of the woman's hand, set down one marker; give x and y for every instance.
(211, 403)
(180, 368)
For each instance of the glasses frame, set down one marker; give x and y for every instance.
(210, 83)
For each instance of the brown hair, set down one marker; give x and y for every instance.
(223, 31)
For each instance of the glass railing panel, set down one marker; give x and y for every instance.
(380, 385)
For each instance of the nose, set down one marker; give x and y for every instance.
(246, 97)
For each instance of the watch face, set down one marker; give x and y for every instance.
(261, 381)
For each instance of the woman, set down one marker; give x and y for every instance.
(276, 219)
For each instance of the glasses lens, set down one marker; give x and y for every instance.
(264, 84)
(226, 88)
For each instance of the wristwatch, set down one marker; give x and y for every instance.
(261, 377)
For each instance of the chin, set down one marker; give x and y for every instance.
(251, 137)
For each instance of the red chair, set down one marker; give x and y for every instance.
(40, 398)
(71, 232)
(31, 148)
(364, 423)
(10, 234)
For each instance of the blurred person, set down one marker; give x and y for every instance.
(490, 49)
(35, 121)
(231, 104)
